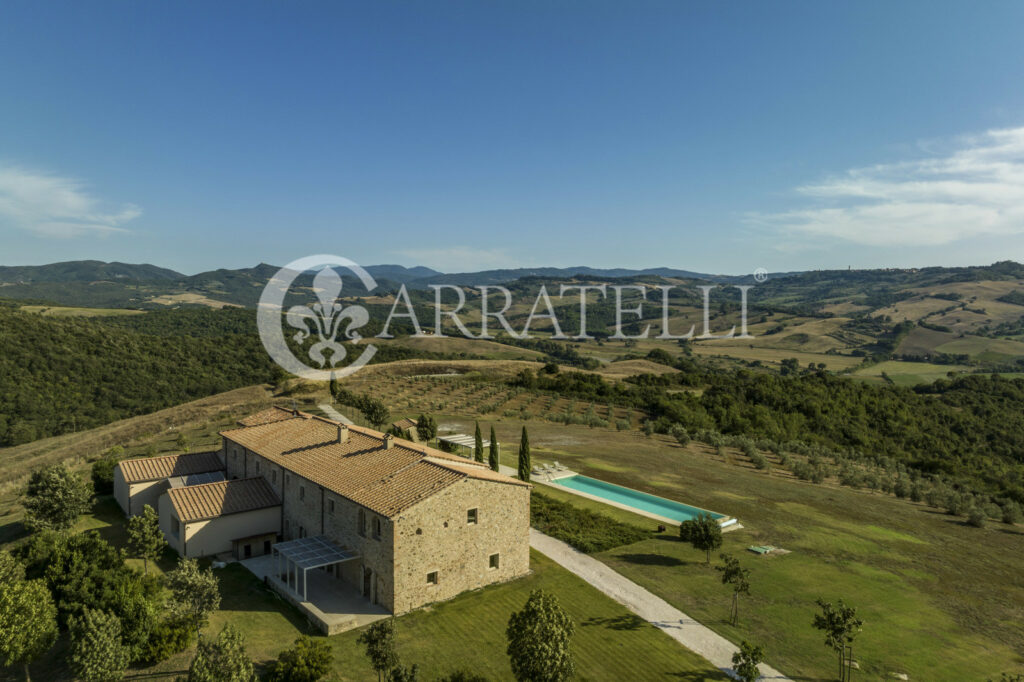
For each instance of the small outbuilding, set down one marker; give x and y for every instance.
(242, 516)
(405, 428)
(141, 481)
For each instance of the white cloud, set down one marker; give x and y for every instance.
(975, 188)
(458, 258)
(55, 206)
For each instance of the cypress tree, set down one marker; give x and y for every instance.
(494, 459)
(524, 457)
(478, 444)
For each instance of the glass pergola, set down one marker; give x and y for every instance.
(304, 554)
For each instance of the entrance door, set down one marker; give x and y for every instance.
(247, 550)
(368, 583)
(266, 546)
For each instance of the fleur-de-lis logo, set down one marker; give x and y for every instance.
(325, 319)
(328, 320)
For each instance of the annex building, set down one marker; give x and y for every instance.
(402, 524)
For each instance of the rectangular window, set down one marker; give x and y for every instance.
(287, 478)
(302, 532)
(330, 506)
(257, 466)
(362, 522)
(302, 492)
(376, 528)
(471, 516)
(494, 561)
(432, 578)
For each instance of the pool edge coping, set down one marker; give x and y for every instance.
(725, 522)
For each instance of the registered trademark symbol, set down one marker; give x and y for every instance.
(760, 275)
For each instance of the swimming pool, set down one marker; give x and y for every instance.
(635, 500)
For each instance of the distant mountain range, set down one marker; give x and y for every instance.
(421, 276)
(126, 285)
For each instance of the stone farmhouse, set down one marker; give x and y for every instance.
(400, 523)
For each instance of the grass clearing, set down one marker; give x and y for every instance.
(942, 600)
(903, 373)
(68, 311)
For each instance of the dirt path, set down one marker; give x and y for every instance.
(643, 603)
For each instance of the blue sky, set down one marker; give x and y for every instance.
(469, 135)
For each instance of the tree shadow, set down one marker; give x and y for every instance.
(651, 559)
(9, 532)
(628, 621)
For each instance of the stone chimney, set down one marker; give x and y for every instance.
(342, 433)
(389, 441)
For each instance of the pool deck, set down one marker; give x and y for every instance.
(727, 522)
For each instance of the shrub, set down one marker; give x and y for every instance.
(585, 530)
(759, 460)
(976, 517)
(622, 425)
(103, 475)
(1011, 512)
(680, 434)
(169, 637)
(309, 660)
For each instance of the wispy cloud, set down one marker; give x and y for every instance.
(55, 206)
(974, 188)
(458, 258)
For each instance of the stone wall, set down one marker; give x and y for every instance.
(435, 535)
(396, 563)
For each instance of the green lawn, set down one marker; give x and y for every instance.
(941, 600)
(467, 632)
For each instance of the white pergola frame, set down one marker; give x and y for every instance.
(462, 440)
(307, 553)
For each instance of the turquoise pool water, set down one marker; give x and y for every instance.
(632, 498)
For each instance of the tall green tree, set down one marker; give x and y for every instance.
(746, 660)
(195, 592)
(737, 576)
(309, 660)
(379, 640)
(145, 539)
(478, 444)
(375, 411)
(28, 617)
(223, 659)
(840, 625)
(494, 456)
(97, 653)
(55, 498)
(332, 387)
(426, 428)
(703, 532)
(524, 456)
(539, 640)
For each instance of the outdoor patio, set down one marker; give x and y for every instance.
(331, 604)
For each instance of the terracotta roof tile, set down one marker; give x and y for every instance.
(268, 416)
(210, 500)
(403, 424)
(362, 468)
(141, 469)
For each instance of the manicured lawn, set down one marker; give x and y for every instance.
(941, 600)
(467, 632)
